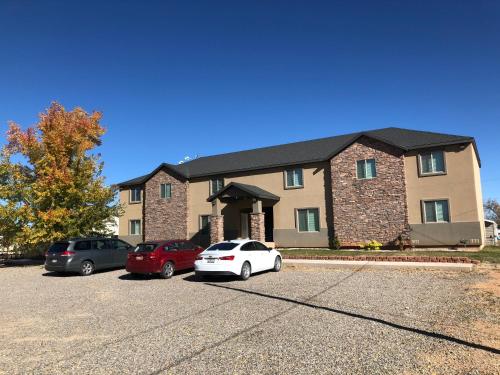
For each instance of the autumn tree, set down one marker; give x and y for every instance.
(492, 210)
(51, 183)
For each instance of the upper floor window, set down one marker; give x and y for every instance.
(165, 191)
(135, 227)
(432, 163)
(308, 220)
(366, 169)
(216, 185)
(436, 211)
(135, 195)
(294, 178)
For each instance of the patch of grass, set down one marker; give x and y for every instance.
(490, 254)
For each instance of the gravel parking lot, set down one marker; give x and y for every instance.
(297, 321)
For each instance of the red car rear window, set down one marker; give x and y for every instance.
(145, 247)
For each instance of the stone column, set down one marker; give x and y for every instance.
(216, 222)
(257, 229)
(216, 228)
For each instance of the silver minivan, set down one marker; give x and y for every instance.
(86, 255)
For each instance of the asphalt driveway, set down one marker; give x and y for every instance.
(295, 321)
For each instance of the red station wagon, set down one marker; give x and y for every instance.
(163, 257)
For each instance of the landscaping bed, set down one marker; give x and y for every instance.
(383, 258)
(487, 255)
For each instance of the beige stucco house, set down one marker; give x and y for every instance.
(379, 185)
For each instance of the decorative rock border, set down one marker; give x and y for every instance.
(383, 258)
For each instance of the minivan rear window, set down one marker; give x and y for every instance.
(223, 246)
(58, 247)
(145, 247)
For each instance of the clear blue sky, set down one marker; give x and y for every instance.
(177, 78)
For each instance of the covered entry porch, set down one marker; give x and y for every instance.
(242, 211)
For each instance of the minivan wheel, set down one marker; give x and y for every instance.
(246, 270)
(167, 270)
(277, 264)
(87, 268)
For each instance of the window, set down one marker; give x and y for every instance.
(82, 245)
(308, 220)
(436, 211)
(99, 244)
(294, 178)
(135, 195)
(118, 245)
(165, 191)
(432, 163)
(366, 169)
(216, 185)
(249, 246)
(205, 224)
(222, 246)
(260, 246)
(135, 227)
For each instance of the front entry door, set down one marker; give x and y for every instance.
(244, 230)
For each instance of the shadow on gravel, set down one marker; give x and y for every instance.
(21, 262)
(219, 278)
(151, 276)
(435, 335)
(70, 274)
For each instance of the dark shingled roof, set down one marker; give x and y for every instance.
(302, 152)
(251, 190)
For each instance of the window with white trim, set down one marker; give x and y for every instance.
(436, 211)
(135, 227)
(308, 220)
(216, 185)
(366, 169)
(135, 195)
(166, 191)
(432, 163)
(294, 178)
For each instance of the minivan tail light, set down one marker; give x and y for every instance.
(229, 257)
(67, 253)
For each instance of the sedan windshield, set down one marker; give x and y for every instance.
(222, 246)
(145, 247)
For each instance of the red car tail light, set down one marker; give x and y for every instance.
(229, 257)
(67, 253)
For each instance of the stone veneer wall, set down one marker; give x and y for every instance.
(374, 209)
(257, 227)
(165, 218)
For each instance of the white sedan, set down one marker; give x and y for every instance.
(237, 257)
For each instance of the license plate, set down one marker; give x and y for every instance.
(210, 260)
(54, 260)
(139, 258)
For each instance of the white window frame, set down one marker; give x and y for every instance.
(130, 227)
(297, 219)
(140, 195)
(365, 169)
(166, 183)
(285, 177)
(212, 192)
(424, 213)
(433, 173)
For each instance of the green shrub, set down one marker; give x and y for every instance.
(372, 245)
(336, 243)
